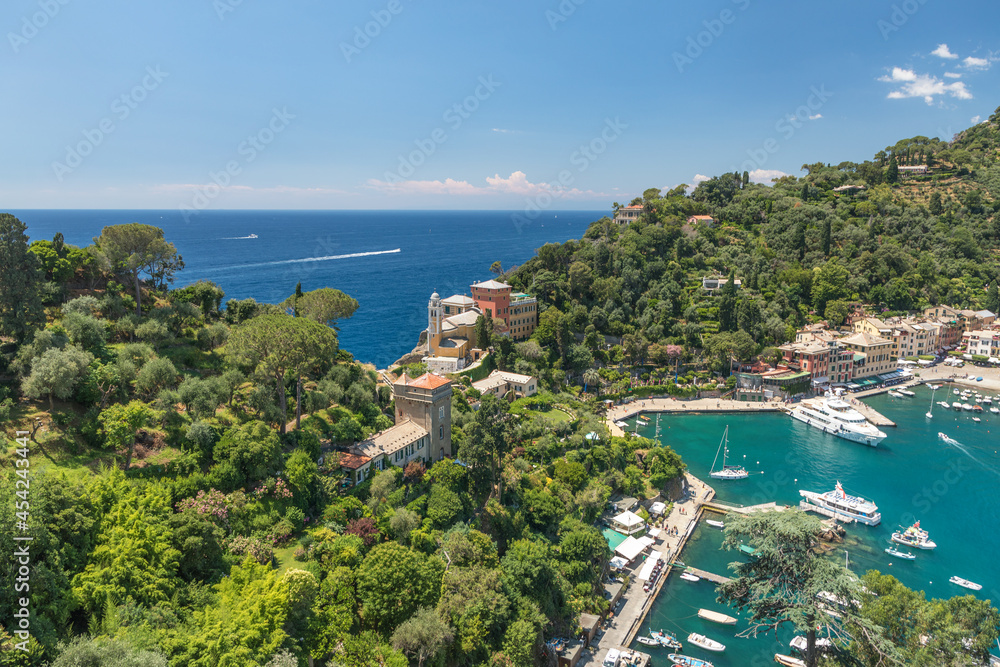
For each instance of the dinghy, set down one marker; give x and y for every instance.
(687, 576)
(965, 583)
(714, 523)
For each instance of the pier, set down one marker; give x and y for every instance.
(725, 508)
(708, 576)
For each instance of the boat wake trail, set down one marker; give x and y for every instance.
(328, 257)
(957, 445)
(237, 238)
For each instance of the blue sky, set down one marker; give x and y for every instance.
(465, 105)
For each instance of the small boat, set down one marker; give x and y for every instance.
(688, 661)
(900, 554)
(965, 583)
(956, 392)
(727, 471)
(748, 550)
(716, 617)
(644, 418)
(701, 641)
(934, 387)
(906, 392)
(665, 639)
(687, 576)
(648, 641)
(800, 643)
(788, 660)
(915, 536)
(714, 523)
(976, 419)
(252, 236)
(944, 404)
(967, 407)
(995, 410)
(621, 424)
(895, 394)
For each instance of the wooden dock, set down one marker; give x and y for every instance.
(717, 506)
(710, 576)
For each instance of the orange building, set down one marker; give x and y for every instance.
(516, 314)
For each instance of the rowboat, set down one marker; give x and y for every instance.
(965, 583)
(701, 641)
(687, 576)
(900, 554)
(788, 660)
(688, 661)
(714, 523)
(716, 617)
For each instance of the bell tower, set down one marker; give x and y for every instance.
(433, 321)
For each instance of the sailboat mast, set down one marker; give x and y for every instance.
(721, 444)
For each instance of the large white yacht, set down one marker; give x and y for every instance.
(839, 504)
(833, 414)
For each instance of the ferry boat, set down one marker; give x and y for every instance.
(915, 536)
(834, 415)
(839, 504)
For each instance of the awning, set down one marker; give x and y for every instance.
(630, 548)
(647, 567)
(657, 508)
(618, 562)
(628, 520)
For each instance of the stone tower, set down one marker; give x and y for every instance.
(433, 321)
(426, 401)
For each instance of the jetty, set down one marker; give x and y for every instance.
(723, 507)
(710, 576)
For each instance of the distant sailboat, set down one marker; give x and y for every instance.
(930, 411)
(727, 472)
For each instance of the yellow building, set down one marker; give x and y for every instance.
(451, 332)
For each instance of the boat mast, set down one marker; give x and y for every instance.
(724, 437)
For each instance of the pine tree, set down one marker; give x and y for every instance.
(727, 305)
(892, 171)
(827, 234)
(20, 299)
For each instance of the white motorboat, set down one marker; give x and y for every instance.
(715, 524)
(900, 554)
(688, 661)
(895, 394)
(788, 660)
(965, 583)
(648, 641)
(727, 471)
(944, 404)
(995, 410)
(839, 504)
(621, 424)
(906, 392)
(687, 576)
(956, 392)
(800, 643)
(967, 407)
(701, 641)
(915, 536)
(976, 419)
(834, 415)
(716, 617)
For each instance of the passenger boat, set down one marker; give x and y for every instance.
(834, 415)
(701, 641)
(915, 536)
(788, 660)
(665, 639)
(688, 661)
(687, 576)
(716, 617)
(965, 583)
(727, 471)
(900, 554)
(715, 524)
(839, 504)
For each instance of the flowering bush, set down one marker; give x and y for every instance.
(276, 488)
(213, 503)
(258, 549)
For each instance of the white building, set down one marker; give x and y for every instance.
(499, 383)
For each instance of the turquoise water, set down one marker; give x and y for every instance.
(911, 475)
(613, 537)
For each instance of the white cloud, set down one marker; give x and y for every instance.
(515, 184)
(503, 131)
(942, 52)
(926, 86)
(816, 116)
(698, 178)
(975, 120)
(766, 175)
(976, 63)
(952, 75)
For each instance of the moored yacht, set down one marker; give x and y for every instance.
(838, 504)
(915, 536)
(833, 414)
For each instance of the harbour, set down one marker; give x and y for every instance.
(912, 475)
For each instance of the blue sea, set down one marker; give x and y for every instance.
(912, 475)
(390, 261)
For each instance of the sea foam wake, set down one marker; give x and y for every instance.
(329, 257)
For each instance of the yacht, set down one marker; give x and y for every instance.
(915, 536)
(836, 503)
(833, 414)
(727, 471)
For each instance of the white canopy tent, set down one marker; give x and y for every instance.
(629, 523)
(647, 567)
(630, 549)
(657, 508)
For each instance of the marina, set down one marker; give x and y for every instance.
(955, 473)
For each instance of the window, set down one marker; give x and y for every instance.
(441, 432)
(441, 412)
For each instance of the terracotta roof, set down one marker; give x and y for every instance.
(429, 381)
(353, 461)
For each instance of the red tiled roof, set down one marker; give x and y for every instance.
(353, 461)
(429, 381)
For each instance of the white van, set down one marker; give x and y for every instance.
(611, 659)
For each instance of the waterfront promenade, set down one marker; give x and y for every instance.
(636, 603)
(695, 405)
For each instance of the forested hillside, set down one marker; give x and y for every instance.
(803, 249)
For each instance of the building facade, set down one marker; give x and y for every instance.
(627, 214)
(872, 354)
(499, 383)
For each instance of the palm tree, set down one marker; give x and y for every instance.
(591, 377)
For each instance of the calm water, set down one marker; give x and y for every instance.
(911, 475)
(390, 261)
